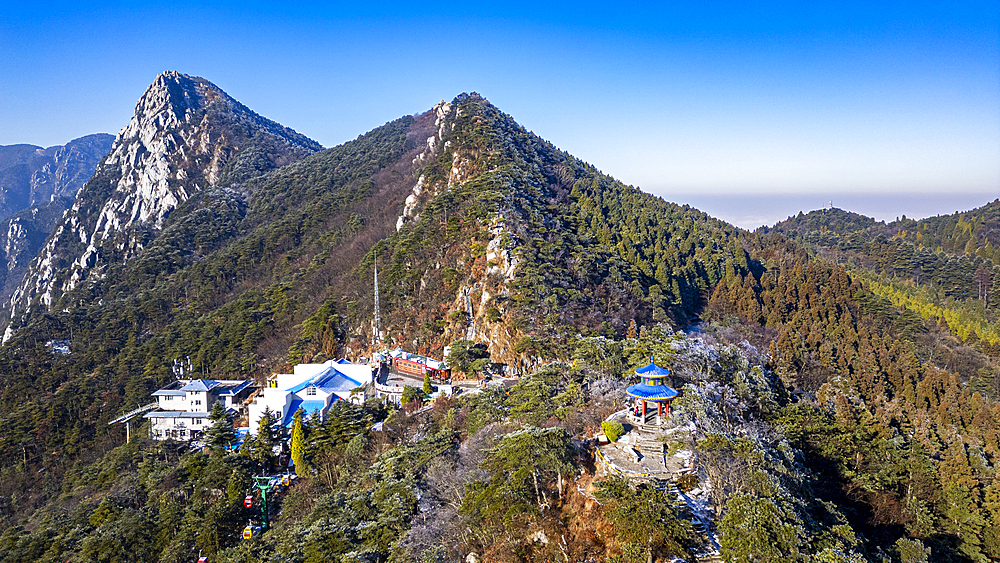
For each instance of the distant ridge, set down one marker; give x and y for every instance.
(31, 175)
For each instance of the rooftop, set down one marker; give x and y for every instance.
(175, 414)
(651, 392)
(329, 380)
(182, 386)
(308, 406)
(652, 370)
(429, 362)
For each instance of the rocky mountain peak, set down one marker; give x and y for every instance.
(187, 137)
(167, 103)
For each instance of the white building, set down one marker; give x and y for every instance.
(182, 413)
(311, 387)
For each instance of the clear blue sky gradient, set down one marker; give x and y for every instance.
(678, 99)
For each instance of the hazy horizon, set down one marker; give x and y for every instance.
(753, 210)
(750, 211)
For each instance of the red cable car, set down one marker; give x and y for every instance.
(248, 502)
(203, 560)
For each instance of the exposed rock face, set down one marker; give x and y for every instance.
(187, 137)
(21, 236)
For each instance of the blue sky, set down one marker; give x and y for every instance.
(682, 100)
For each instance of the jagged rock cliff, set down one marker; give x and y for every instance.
(187, 137)
(21, 237)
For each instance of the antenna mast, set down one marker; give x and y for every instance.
(377, 326)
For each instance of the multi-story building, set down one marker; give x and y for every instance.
(183, 408)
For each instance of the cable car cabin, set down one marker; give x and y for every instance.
(248, 502)
(286, 480)
(248, 532)
(203, 560)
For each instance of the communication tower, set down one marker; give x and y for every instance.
(377, 323)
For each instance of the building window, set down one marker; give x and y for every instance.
(197, 421)
(168, 398)
(310, 390)
(197, 402)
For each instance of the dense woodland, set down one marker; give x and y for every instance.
(840, 375)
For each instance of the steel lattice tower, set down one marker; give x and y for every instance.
(377, 327)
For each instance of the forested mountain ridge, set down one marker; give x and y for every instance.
(528, 246)
(947, 250)
(976, 231)
(944, 268)
(186, 137)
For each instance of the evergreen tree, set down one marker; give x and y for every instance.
(298, 445)
(757, 529)
(427, 384)
(221, 435)
(411, 394)
(263, 444)
(644, 518)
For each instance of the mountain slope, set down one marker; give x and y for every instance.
(508, 241)
(946, 267)
(483, 231)
(36, 186)
(487, 232)
(187, 138)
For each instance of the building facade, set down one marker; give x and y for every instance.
(311, 387)
(184, 405)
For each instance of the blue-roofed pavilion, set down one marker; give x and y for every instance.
(652, 389)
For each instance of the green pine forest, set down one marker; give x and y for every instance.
(839, 377)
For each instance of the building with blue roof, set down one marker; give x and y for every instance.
(311, 387)
(653, 388)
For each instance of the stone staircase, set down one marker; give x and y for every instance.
(652, 450)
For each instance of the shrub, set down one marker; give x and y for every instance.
(412, 394)
(612, 429)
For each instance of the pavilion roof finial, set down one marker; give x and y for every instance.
(652, 370)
